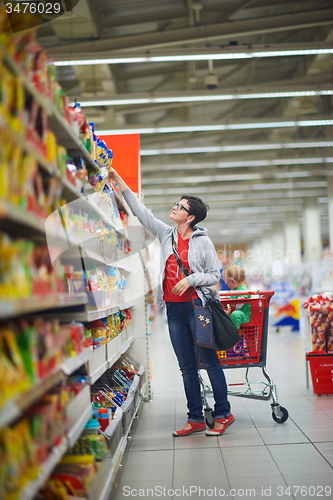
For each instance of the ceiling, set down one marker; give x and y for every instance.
(256, 156)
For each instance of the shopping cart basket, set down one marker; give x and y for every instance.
(249, 352)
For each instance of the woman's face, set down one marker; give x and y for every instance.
(180, 212)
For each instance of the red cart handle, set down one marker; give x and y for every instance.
(230, 293)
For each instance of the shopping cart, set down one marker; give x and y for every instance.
(249, 352)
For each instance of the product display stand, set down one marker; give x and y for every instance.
(84, 306)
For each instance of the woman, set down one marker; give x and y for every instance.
(197, 254)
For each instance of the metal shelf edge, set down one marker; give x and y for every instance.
(126, 345)
(111, 466)
(31, 489)
(71, 364)
(10, 308)
(98, 373)
(74, 433)
(14, 409)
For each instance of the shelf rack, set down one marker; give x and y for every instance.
(120, 428)
(16, 408)
(79, 405)
(35, 304)
(71, 307)
(61, 128)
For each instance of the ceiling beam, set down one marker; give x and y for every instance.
(204, 33)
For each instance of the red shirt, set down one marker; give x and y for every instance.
(173, 274)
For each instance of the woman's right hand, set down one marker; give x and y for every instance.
(113, 175)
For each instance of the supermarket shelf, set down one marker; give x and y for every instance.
(73, 192)
(26, 223)
(72, 364)
(15, 408)
(102, 313)
(87, 202)
(76, 431)
(67, 137)
(107, 472)
(97, 364)
(126, 305)
(10, 308)
(98, 373)
(116, 347)
(57, 452)
(79, 403)
(27, 147)
(61, 128)
(87, 316)
(78, 413)
(125, 346)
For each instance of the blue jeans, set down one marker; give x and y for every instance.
(182, 333)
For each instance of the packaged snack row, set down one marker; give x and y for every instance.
(26, 444)
(30, 350)
(76, 471)
(26, 269)
(105, 329)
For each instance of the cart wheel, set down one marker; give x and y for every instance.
(280, 419)
(209, 417)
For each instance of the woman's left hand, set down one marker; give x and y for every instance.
(181, 287)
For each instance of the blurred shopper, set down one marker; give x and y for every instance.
(225, 260)
(235, 278)
(197, 253)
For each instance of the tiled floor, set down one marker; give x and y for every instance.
(255, 458)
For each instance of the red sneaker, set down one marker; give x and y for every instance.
(225, 424)
(192, 427)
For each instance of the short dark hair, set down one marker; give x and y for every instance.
(197, 207)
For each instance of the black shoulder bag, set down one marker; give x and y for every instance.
(213, 327)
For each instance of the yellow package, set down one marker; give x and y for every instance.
(51, 147)
(14, 379)
(5, 149)
(15, 170)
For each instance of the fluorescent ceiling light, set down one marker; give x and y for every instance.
(251, 210)
(234, 164)
(216, 127)
(240, 177)
(202, 54)
(286, 175)
(206, 178)
(290, 185)
(237, 147)
(203, 97)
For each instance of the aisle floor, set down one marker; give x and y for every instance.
(256, 457)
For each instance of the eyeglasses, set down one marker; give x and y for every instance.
(181, 207)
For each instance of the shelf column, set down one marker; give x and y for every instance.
(312, 231)
(292, 233)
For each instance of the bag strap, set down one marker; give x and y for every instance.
(183, 269)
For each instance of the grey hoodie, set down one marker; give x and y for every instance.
(202, 256)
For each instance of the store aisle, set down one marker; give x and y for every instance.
(255, 457)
